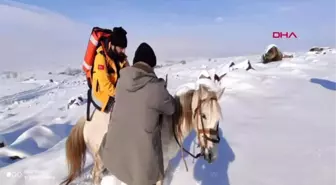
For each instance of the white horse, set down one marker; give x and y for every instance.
(198, 109)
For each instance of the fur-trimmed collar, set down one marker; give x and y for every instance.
(144, 66)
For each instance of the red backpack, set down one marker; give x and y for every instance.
(97, 34)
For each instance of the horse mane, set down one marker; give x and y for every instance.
(183, 113)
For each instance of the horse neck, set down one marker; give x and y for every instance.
(184, 130)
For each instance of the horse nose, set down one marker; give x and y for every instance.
(208, 156)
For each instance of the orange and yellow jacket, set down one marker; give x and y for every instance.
(104, 79)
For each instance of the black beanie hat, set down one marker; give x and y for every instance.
(118, 37)
(145, 53)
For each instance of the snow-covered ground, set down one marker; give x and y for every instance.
(278, 126)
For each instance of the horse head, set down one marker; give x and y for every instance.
(206, 114)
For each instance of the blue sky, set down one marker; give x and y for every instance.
(202, 28)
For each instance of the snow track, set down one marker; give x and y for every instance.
(28, 95)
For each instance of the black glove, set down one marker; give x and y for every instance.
(166, 81)
(161, 79)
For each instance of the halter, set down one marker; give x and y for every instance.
(203, 130)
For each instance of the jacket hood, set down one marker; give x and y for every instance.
(136, 77)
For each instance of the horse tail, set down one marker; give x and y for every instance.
(75, 151)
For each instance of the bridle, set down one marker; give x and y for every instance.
(204, 131)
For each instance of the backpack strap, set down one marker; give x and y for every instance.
(88, 103)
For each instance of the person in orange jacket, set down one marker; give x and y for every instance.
(110, 59)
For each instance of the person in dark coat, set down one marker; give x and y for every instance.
(131, 149)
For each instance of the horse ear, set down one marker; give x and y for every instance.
(204, 77)
(221, 77)
(218, 78)
(220, 93)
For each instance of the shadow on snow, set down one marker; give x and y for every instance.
(205, 173)
(324, 83)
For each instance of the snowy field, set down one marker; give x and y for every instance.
(278, 126)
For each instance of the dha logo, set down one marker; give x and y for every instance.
(280, 35)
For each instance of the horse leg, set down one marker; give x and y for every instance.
(98, 169)
(97, 165)
(161, 181)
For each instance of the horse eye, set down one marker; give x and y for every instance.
(203, 116)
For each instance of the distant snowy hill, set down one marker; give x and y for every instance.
(278, 126)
